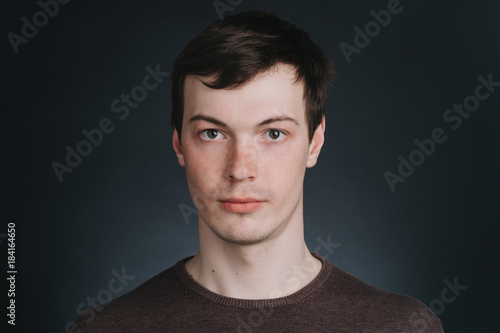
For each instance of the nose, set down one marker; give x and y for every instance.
(241, 162)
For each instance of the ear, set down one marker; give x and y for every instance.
(316, 143)
(177, 147)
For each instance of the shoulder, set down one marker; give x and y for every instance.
(379, 310)
(125, 312)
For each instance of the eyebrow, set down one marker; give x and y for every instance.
(222, 124)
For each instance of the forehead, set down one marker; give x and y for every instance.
(271, 93)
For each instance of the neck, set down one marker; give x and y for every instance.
(276, 267)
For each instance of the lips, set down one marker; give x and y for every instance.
(241, 205)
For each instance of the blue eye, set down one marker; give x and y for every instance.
(211, 134)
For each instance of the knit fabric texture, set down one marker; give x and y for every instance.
(334, 301)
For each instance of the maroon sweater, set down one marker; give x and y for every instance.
(334, 301)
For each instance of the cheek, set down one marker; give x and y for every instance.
(201, 168)
(291, 156)
(286, 168)
(200, 184)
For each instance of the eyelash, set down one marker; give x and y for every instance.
(204, 132)
(281, 134)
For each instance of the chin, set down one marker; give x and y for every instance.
(241, 233)
(243, 241)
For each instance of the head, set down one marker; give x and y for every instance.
(235, 50)
(248, 100)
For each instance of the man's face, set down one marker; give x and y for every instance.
(245, 151)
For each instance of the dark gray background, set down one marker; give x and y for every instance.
(119, 207)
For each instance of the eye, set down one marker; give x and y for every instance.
(211, 134)
(274, 134)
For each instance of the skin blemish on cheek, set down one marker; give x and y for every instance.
(213, 270)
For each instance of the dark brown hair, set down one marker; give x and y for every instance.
(235, 50)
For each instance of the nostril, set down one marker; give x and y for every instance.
(241, 165)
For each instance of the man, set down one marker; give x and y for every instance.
(248, 99)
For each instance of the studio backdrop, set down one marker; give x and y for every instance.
(404, 195)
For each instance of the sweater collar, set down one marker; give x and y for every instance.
(296, 297)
